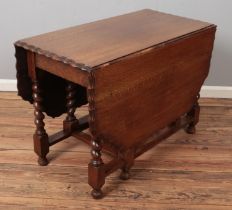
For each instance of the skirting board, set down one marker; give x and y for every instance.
(216, 92)
(8, 85)
(206, 91)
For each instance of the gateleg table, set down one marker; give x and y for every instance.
(140, 75)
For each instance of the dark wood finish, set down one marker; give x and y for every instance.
(57, 137)
(87, 138)
(62, 70)
(61, 135)
(96, 170)
(70, 123)
(41, 143)
(180, 66)
(162, 134)
(142, 73)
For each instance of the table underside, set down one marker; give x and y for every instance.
(80, 132)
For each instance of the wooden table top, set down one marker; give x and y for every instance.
(100, 42)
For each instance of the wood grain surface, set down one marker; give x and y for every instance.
(102, 41)
(185, 172)
(144, 93)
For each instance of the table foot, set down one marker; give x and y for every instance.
(97, 194)
(190, 129)
(42, 161)
(128, 157)
(194, 116)
(125, 174)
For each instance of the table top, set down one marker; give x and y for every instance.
(100, 42)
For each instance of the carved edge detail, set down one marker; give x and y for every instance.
(84, 67)
(53, 56)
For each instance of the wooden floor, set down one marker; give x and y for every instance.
(185, 172)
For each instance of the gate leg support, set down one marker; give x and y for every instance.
(41, 143)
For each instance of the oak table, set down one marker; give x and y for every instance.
(139, 73)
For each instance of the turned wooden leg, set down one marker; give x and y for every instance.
(129, 162)
(71, 122)
(194, 115)
(96, 171)
(41, 144)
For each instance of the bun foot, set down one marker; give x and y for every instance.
(97, 194)
(42, 161)
(125, 175)
(190, 129)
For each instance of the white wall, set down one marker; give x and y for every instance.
(24, 18)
